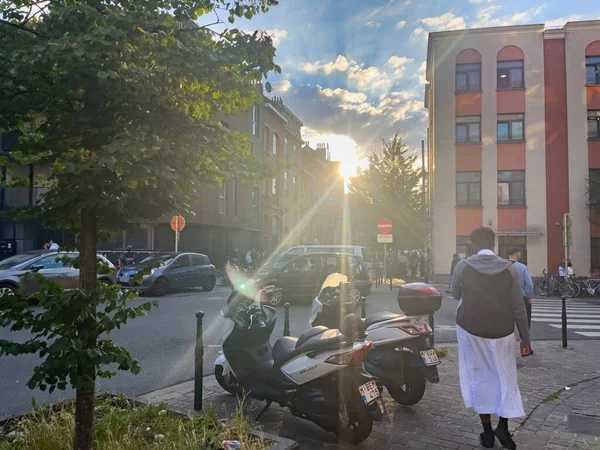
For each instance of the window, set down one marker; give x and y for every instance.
(468, 77)
(294, 154)
(594, 188)
(274, 144)
(266, 137)
(254, 203)
(274, 186)
(464, 247)
(182, 261)
(285, 183)
(285, 148)
(468, 188)
(593, 124)
(223, 199)
(511, 188)
(511, 127)
(275, 230)
(200, 260)
(595, 254)
(254, 119)
(293, 186)
(510, 75)
(235, 197)
(468, 129)
(54, 261)
(592, 69)
(505, 243)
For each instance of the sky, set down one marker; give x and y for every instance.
(353, 71)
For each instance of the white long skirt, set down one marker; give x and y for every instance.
(488, 374)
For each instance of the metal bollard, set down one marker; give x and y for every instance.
(432, 336)
(363, 307)
(564, 322)
(199, 363)
(391, 285)
(286, 320)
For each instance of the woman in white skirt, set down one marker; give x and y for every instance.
(491, 302)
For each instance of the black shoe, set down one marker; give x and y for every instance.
(505, 438)
(487, 439)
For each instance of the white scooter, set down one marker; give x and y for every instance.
(400, 359)
(318, 376)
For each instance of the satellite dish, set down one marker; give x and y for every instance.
(268, 87)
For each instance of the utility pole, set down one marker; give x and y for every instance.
(424, 270)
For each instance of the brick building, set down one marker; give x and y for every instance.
(514, 128)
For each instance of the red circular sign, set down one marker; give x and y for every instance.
(177, 223)
(384, 226)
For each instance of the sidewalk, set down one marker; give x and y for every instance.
(560, 390)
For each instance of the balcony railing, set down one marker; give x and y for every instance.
(19, 197)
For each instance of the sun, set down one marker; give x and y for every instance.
(349, 168)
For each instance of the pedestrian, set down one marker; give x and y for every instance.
(414, 263)
(249, 257)
(403, 263)
(51, 245)
(514, 255)
(422, 266)
(455, 260)
(490, 303)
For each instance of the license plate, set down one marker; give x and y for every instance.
(430, 358)
(123, 279)
(369, 392)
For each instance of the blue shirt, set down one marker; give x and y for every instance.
(526, 282)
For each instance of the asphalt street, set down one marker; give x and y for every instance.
(164, 340)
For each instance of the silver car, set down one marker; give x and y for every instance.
(49, 264)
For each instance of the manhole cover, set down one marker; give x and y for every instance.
(584, 424)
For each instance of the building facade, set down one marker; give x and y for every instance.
(514, 117)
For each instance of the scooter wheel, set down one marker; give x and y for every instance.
(355, 423)
(413, 390)
(227, 382)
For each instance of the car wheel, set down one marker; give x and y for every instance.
(276, 299)
(160, 287)
(7, 289)
(210, 284)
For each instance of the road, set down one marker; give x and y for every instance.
(164, 340)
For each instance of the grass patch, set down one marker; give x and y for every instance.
(552, 397)
(442, 352)
(125, 425)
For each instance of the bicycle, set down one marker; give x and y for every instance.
(591, 286)
(551, 285)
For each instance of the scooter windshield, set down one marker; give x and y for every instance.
(334, 280)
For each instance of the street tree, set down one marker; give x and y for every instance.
(119, 101)
(390, 186)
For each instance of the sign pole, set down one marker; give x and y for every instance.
(384, 261)
(176, 234)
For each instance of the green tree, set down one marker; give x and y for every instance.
(390, 187)
(118, 99)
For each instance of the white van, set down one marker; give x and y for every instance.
(363, 252)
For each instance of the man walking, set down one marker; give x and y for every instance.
(514, 255)
(491, 302)
(455, 260)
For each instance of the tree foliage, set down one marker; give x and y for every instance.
(118, 100)
(390, 187)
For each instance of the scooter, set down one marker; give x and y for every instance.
(318, 376)
(400, 359)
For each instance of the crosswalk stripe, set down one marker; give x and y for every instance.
(589, 333)
(558, 315)
(549, 310)
(569, 320)
(577, 327)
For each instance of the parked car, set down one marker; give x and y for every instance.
(50, 264)
(170, 271)
(357, 250)
(301, 277)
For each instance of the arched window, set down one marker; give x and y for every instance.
(468, 71)
(510, 72)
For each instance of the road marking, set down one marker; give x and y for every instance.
(550, 310)
(589, 333)
(559, 315)
(578, 327)
(569, 320)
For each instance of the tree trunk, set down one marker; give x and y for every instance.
(85, 394)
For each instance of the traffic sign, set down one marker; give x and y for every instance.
(384, 226)
(177, 223)
(385, 238)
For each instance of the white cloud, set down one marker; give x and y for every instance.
(476, 2)
(282, 86)
(421, 73)
(398, 61)
(345, 96)
(486, 16)
(372, 24)
(277, 35)
(561, 21)
(364, 76)
(400, 24)
(419, 32)
(341, 64)
(447, 21)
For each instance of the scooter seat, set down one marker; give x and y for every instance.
(283, 349)
(310, 333)
(382, 317)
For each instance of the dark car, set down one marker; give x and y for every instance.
(170, 271)
(300, 277)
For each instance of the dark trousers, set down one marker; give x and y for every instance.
(528, 309)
